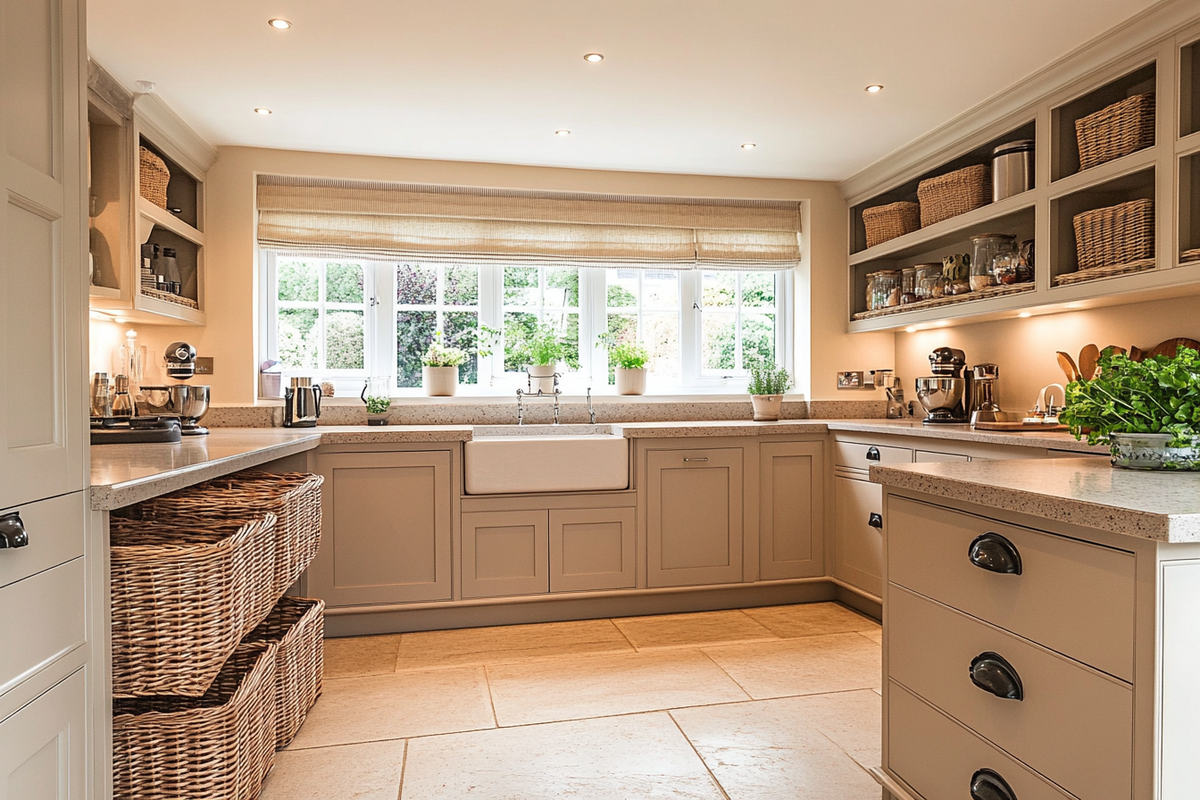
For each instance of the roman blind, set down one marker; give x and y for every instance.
(340, 218)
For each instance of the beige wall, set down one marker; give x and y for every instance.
(1025, 348)
(230, 336)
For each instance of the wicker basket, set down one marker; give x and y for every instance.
(153, 177)
(954, 193)
(1118, 234)
(183, 595)
(1116, 131)
(297, 627)
(294, 498)
(217, 747)
(884, 223)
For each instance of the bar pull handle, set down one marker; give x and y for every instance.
(695, 459)
(993, 552)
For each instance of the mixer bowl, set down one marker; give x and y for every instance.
(189, 403)
(939, 394)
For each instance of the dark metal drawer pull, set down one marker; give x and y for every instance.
(12, 531)
(993, 552)
(875, 520)
(986, 784)
(990, 672)
(873, 454)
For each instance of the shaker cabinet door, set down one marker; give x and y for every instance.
(858, 534)
(791, 510)
(42, 746)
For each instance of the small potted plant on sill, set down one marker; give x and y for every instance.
(767, 386)
(1147, 411)
(540, 350)
(629, 360)
(439, 368)
(376, 396)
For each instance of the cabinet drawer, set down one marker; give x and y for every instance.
(862, 456)
(43, 619)
(1073, 597)
(859, 534)
(56, 530)
(1072, 724)
(939, 758)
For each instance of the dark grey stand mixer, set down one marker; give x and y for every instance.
(946, 395)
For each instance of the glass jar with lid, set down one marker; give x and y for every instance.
(985, 249)
(930, 283)
(885, 289)
(908, 285)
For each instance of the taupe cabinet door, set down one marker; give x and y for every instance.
(592, 548)
(43, 226)
(694, 516)
(791, 510)
(504, 553)
(42, 753)
(858, 543)
(385, 530)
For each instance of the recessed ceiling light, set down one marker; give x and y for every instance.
(594, 58)
(562, 132)
(749, 145)
(266, 112)
(1025, 314)
(279, 24)
(875, 88)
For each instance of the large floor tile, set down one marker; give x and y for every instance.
(640, 756)
(810, 619)
(771, 750)
(874, 636)
(837, 662)
(578, 687)
(360, 771)
(851, 720)
(684, 630)
(508, 643)
(398, 706)
(361, 655)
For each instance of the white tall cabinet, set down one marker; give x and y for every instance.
(48, 575)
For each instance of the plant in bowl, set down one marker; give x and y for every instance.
(439, 368)
(767, 386)
(1148, 411)
(629, 364)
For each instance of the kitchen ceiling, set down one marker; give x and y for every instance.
(684, 83)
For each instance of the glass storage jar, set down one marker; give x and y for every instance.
(908, 285)
(985, 249)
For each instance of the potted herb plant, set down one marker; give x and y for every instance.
(1148, 411)
(376, 396)
(439, 368)
(540, 350)
(767, 386)
(629, 360)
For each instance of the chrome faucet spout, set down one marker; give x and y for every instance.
(591, 410)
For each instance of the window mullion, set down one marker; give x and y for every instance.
(690, 320)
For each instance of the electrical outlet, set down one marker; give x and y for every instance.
(204, 365)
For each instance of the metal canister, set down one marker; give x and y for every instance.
(1012, 169)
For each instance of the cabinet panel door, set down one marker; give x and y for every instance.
(592, 548)
(386, 528)
(505, 553)
(858, 544)
(792, 510)
(42, 229)
(42, 746)
(933, 457)
(694, 516)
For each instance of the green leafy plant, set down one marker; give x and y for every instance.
(542, 346)
(378, 405)
(626, 355)
(768, 379)
(439, 355)
(1157, 395)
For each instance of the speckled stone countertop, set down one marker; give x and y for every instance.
(393, 434)
(1162, 506)
(1060, 440)
(662, 430)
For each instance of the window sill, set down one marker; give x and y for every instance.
(510, 399)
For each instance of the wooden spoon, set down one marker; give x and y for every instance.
(1170, 347)
(1068, 366)
(1087, 361)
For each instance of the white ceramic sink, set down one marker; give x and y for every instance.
(507, 459)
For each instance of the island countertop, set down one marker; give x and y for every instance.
(1161, 506)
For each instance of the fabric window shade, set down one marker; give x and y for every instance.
(332, 218)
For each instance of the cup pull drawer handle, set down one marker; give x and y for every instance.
(987, 784)
(12, 531)
(873, 454)
(993, 552)
(992, 673)
(875, 520)
(695, 459)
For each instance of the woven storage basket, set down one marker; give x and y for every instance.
(1116, 131)
(294, 498)
(183, 595)
(1115, 235)
(297, 626)
(954, 193)
(884, 223)
(217, 747)
(153, 177)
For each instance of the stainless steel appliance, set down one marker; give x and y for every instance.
(1012, 169)
(945, 395)
(181, 360)
(301, 404)
(188, 403)
(984, 407)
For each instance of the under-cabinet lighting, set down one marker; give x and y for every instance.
(875, 88)
(594, 58)
(749, 145)
(562, 132)
(910, 329)
(279, 24)
(1025, 314)
(941, 323)
(265, 112)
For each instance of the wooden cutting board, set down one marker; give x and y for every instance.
(1018, 427)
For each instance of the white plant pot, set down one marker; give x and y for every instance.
(631, 381)
(541, 378)
(440, 381)
(767, 407)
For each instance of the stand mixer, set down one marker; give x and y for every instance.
(946, 395)
(188, 403)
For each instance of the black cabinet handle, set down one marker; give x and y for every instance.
(986, 784)
(872, 454)
(992, 673)
(12, 531)
(875, 520)
(993, 552)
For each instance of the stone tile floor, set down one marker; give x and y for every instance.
(756, 704)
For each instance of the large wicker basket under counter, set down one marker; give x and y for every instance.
(296, 626)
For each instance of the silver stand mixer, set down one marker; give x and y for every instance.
(946, 395)
(187, 402)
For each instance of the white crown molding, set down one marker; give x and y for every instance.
(953, 138)
(157, 118)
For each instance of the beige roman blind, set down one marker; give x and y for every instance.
(338, 218)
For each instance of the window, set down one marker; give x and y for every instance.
(347, 319)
